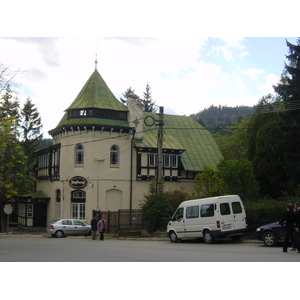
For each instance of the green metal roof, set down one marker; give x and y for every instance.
(96, 94)
(184, 133)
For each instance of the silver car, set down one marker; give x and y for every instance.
(64, 227)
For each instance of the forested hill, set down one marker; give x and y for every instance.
(222, 116)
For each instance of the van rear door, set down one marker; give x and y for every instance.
(226, 216)
(239, 214)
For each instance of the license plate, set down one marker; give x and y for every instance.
(226, 226)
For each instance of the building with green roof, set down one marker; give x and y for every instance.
(104, 153)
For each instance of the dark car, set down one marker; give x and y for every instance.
(271, 234)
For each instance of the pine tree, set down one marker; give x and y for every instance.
(9, 105)
(31, 126)
(129, 93)
(289, 91)
(148, 104)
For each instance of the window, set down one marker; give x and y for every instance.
(152, 157)
(57, 206)
(76, 222)
(66, 222)
(167, 161)
(114, 155)
(78, 205)
(207, 210)
(174, 159)
(178, 215)
(225, 209)
(79, 155)
(192, 212)
(236, 207)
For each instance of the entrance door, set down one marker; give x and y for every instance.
(40, 214)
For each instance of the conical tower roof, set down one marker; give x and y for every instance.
(95, 105)
(96, 94)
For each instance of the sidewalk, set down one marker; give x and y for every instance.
(154, 237)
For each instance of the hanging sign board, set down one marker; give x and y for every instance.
(78, 182)
(8, 209)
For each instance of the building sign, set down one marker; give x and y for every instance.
(78, 182)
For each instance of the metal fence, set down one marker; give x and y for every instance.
(121, 220)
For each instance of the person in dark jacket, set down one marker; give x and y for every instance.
(289, 218)
(94, 223)
(297, 220)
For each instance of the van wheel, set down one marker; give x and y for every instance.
(208, 238)
(173, 237)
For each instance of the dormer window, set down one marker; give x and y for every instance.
(97, 113)
(82, 112)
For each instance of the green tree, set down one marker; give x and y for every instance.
(207, 183)
(147, 102)
(266, 146)
(31, 126)
(156, 212)
(10, 104)
(289, 91)
(233, 144)
(129, 93)
(237, 178)
(12, 171)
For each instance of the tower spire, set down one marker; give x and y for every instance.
(96, 62)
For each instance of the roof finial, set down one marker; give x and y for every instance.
(96, 62)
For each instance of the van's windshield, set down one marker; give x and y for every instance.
(178, 214)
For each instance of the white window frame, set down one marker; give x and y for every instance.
(78, 206)
(174, 161)
(114, 155)
(152, 159)
(79, 155)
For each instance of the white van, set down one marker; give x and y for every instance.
(208, 218)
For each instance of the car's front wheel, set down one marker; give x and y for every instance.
(269, 239)
(59, 234)
(173, 237)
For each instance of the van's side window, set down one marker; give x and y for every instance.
(207, 210)
(236, 207)
(225, 209)
(178, 215)
(192, 212)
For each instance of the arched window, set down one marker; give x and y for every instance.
(58, 206)
(114, 155)
(79, 155)
(78, 204)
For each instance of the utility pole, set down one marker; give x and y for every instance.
(159, 174)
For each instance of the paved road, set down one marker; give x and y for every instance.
(80, 249)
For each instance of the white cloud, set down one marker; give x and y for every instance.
(244, 53)
(267, 86)
(253, 73)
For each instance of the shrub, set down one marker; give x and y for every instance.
(156, 212)
(263, 212)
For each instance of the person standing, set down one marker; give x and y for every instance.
(297, 220)
(289, 218)
(101, 226)
(94, 223)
